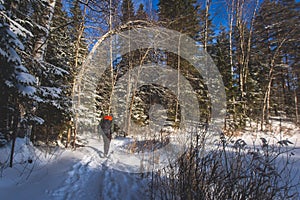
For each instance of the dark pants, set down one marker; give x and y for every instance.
(106, 141)
(105, 129)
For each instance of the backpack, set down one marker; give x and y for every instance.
(106, 126)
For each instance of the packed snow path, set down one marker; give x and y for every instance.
(82, 174)
(93, 172)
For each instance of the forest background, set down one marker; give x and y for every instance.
(44, 43)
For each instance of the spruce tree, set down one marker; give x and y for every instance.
(182, 16)
(221, 56)
(127, 11)
(56, 85)
(275, 34)
(141, 13)
(16, 82)
(17, 85)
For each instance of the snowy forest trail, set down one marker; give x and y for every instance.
(80, 179)
(120, 185)
(83, 174)
(92, 178)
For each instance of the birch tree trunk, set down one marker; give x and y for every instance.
(76, 67)
(129, 101)
(130, 90)
(178, 80)
(230, 10)
(245, 17)
(266, 103)
(40, 45)
(207, 6)
(240, 24)
(111, 58)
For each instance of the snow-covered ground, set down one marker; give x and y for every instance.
(66, 174)
(85, 173)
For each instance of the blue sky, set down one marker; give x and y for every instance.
(218, 11)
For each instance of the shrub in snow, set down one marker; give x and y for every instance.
(233, 170)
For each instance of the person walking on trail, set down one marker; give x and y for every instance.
(106, 127)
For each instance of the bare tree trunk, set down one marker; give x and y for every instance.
(178, 79)
(240, 24)
(296, 106)
(69, 131)
(134, 88)
(129, 101)
(207, 6)
(248, 50)
(111, 58)
(266, 102)
(231, 13)
(40, 45)
(78, 104)
(76, 67)
(15, 123)
(230, 16)
(12, 151)
(243, 56)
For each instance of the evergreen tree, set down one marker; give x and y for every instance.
(141, 13)
(16, 82)
(221, 56)
(56, 85)
(127, 11)
(241, 18)
(275, 33)
(17, 85)
(79, 48)
(180, 15)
